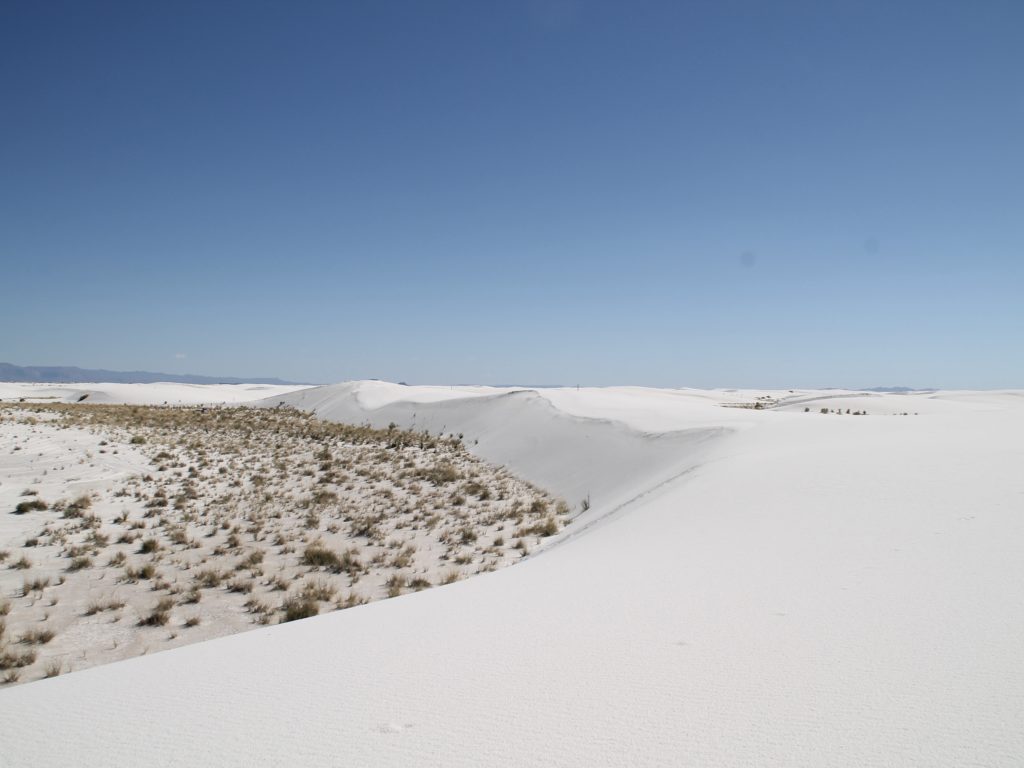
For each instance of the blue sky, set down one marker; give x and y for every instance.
(675, 194)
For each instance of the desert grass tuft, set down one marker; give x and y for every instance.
(37, 637)
(299, 607)
(160, 614)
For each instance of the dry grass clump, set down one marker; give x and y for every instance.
(35, 505)
(160, 614)
(99, 606)
(37, 637)
(32, 586)
(299, 607)
(319, 556)
(318, 589)
(149, 546)
(546, 527)
(80, 562)
(143, 572)
(209, 578)
(10, 659)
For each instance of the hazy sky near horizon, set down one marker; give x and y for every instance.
(677, 194)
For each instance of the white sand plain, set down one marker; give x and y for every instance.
(773, 587)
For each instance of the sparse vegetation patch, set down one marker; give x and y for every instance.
(237, 517)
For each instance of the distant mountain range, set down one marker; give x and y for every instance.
(62, 374)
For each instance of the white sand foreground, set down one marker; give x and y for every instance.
(776, 587)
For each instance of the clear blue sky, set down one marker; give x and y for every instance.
(679, 194)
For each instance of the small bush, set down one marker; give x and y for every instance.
(12, 659)
(35, 505)
(547, 527)
(320, 556)
(240, 585)
(79, 563)
(299, 607)
(35, 585)
(395, 585)
(251, 561)
(178, 536)
(209, 578)
(318, 590)
(160, 614)
(77, 507)
(149, 546)
(147, 571)
(439, 474)
(37, 637)
(98, 606)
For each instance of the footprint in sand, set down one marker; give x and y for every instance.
(394, 727)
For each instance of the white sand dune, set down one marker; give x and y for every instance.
(602, 456)
(143, 394)
(766, 588)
